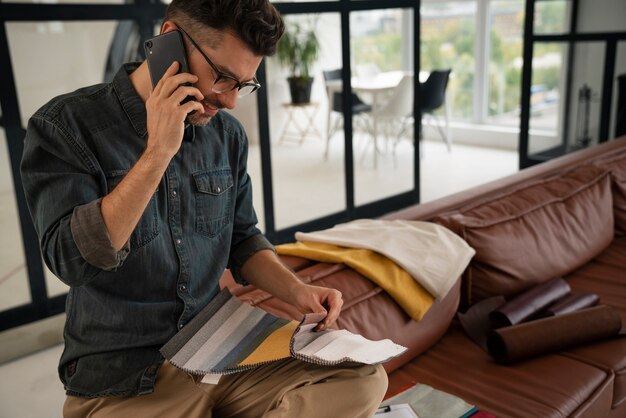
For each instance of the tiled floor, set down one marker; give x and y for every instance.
(305, 184)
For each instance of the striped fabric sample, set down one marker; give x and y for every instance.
(229, 336)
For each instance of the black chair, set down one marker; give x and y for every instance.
(432, 97)
(358, 106)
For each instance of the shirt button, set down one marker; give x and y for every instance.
(182, 287)
(178, 241)
(181, 325)
(219, 189)
(173, 193)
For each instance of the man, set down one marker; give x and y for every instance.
(140, 201)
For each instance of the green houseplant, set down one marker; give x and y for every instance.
(297, 51)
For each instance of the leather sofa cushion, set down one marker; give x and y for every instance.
(617, 165)
(551, 386)
(605, 275)
(367, 309)
(537, 231)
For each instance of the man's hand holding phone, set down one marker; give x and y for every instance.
(173, 96)
(167, 112)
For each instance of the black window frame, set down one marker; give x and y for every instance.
(572, 38)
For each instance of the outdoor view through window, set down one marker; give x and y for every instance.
(451, 38)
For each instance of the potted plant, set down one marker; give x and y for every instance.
(297, 51)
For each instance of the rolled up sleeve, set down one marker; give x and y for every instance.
(244, 251)
(92, 237)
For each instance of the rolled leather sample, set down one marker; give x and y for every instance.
(523, 341)
(529, 303)
(570, 303)
(475, 321)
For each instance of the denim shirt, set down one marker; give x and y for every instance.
(124, 305)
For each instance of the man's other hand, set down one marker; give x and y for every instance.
(308, 298)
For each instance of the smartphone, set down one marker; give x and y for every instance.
(162, 51)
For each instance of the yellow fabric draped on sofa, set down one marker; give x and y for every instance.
(409, 294)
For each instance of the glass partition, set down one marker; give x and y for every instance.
(382, 103)
(558, 122)
(548, 87)
(308, 181)
(306, 133)
(552, 17)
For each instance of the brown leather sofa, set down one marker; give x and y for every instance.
(564, 218)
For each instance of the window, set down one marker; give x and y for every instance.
(448, 38)
(482, 42)
(506, 23)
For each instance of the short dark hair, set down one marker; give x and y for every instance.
(256, 22)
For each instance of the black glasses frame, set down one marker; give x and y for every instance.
(254, 83)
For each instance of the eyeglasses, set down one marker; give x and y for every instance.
(223, 82)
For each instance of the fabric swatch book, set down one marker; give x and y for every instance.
(429, 402)
(229, 336)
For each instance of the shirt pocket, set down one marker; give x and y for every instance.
(214, 189)
(148, 226)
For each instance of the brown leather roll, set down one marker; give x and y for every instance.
(570, 303)
(529, 303)
(523, 341)
(475, 321)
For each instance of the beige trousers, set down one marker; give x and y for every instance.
(287, 388)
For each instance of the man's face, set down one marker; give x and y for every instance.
(231, 57)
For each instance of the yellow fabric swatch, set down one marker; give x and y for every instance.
(275, 347)
(408, 293)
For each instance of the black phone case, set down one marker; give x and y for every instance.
(162, 51)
